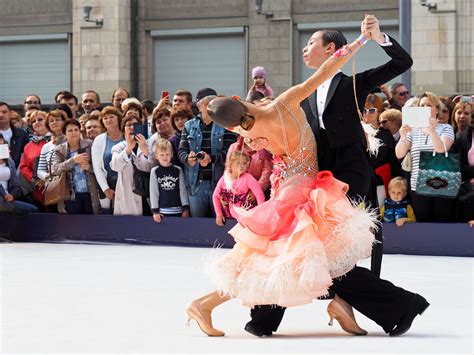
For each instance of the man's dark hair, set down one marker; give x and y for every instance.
(333, 36)
(63, 93)
(182, 92)
(92, 92)
(5, 104)
(63, 107)
(69, 96)
(39, 100)
(394, 87)
(148, 105)
(120, 88)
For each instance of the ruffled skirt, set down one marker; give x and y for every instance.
(289, 248)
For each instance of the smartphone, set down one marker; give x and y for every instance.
(138, 128)
(81, 150)
(165, 94)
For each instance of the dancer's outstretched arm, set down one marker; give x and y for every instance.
(329, 68)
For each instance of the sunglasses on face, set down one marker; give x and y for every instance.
(370, 111)
(404, 93)
(384, 122)
(32, 102)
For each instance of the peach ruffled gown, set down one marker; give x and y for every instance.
(289, 248)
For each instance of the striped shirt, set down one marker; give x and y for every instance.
(421, 141)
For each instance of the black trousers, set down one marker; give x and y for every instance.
(433, 209)
(351, 164)
(377, 299)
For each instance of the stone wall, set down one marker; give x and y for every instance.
(101, 55)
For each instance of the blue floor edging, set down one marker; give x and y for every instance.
(443, 239)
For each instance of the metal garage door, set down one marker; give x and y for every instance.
(33, 64)
(186, 60)
(368, 57)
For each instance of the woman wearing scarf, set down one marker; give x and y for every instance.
(32, 152)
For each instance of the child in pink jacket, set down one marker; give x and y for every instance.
(233, 187)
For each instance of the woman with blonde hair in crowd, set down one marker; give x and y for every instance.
(74, 157)
(391, 120)
(438, 137)
(110, 119)
(32, 152)
(461, 117)
(133, 151)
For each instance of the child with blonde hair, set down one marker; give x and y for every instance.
(397, 208)
(168, 194)
(233, 188)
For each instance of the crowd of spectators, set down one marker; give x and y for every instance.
(102, 149)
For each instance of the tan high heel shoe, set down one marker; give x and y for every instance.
(344, 316)
(200, 310)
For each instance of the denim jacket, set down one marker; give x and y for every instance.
(193, 127)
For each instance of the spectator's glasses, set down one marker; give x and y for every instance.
(404, 93)
(35, 120)
(369, 111)
(383, 122)
(32, 102)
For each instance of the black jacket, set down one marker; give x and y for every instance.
(462, 146)
(17, 144)
(340, 116)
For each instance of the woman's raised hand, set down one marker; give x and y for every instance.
(142, 143)
(404, 131)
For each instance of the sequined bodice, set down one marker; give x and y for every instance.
(298, 168)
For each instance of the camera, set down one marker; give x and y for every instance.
(200, 156)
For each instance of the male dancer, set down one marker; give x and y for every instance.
(332, 114)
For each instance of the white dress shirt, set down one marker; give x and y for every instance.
(322, 92)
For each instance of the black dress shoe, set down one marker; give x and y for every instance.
(417, 306)
(252, 329)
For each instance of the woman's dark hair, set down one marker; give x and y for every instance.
(158, 114)
(55, 113)
(333, 36)
(125, 120)
(180, 112)
(71, 122)
(229, 112)
(112, 111)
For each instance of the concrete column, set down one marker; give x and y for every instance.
(434, 49)
(269, 43)
(101, 55)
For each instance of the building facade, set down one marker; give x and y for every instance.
(149, 46)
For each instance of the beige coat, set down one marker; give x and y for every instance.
(126, 202)
(61, 163)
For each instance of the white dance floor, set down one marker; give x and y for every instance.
(58, 298)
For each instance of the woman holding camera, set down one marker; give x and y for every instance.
(74, 158)
(133, 151)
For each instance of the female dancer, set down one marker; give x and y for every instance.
(289, 248)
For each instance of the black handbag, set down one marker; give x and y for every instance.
(141, 182)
